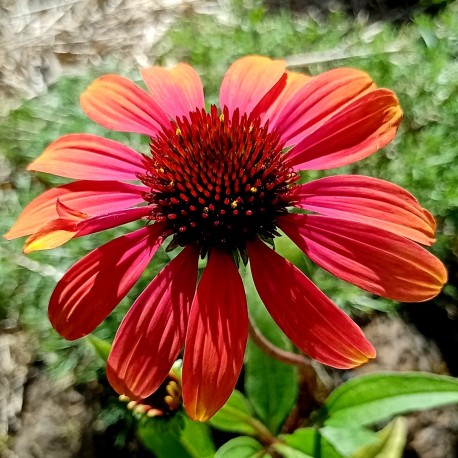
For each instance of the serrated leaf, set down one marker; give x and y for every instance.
(271, 386)
(240, 447)
(310, 442)
(235, 416)
(371, 398)
(392, 442)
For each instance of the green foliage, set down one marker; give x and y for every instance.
(392, 439)
(271, 386)
(241, 447)
(311, 442)
(372, 398)
(236, 416)
(180, 439)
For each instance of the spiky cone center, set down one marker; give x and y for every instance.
(218, 180)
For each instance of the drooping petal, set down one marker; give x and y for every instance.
(247, 82)
(88, 157)
(177, 91)
(372, 258)
(309, 318)
(90, 197)
(152, 333)
(59, 231)
(320, 98)
(117, 103)
(95, 285)
(371, 201)
(358, 130)
(216, 338)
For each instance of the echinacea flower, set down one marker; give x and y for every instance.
(219, 184)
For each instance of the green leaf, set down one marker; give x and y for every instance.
(271, 386)
(240, 447)
(392, 442)
(371, 398)
(235, 416)
(311, 443)
(347, 441)
(289, 452)
(101, 347)
(188, 439)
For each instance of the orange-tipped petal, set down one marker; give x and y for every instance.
(372, 258)
(95, 285)
(177, 91)
(216, 338)
(89, 157)
(152, 333)
(319, 99)
(368, 200)
(76, 224)
(89, 197)
(309, 318)
(356, 131)
(117, 103)
(51, 235)
(247, 82)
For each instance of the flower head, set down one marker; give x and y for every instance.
(219, 184)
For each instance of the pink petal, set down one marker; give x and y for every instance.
(247, 82)
(95, 285)
(312, 321)
(356, 131)
(177, 91)
(216, 338)
(372, 258)
(293, 84)
(89, 157)
(117, 103)
(152, 333)
(371, 201)
(90, 197)
(320, 98)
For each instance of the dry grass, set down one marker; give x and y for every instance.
(40, 39)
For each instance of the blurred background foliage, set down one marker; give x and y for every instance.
(415, 55)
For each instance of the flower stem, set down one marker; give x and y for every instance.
(273, 351)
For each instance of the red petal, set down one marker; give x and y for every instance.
(177, 91)
(350, 134)
(374, 259)
(309, 318)
(117, 103)
(89, 157)
(319, 99)
(152, 333)
(95, 285)
(247, 81)
(294, 83)
(216, 339)
(90, 197)
(371, 201)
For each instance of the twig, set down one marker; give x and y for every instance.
(277, 353)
